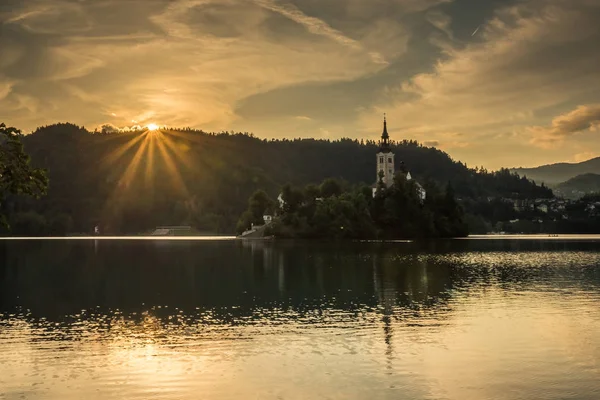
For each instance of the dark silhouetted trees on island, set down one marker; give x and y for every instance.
(337, 210)
(131, 182)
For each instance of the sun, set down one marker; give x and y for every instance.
(152, 127)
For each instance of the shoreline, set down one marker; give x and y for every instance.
(566, 236)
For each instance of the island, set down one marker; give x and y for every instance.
(394, 207)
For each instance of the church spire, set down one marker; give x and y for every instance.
(384, 144)
(385, 135)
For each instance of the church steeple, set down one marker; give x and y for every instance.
(384, 144)
(385, 161)
(385, 135)
(386, 167)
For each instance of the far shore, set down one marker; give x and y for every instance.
(539, 236)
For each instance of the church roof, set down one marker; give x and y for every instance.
(384, 144)
(385, 134)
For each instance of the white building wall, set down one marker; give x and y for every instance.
(385, 163)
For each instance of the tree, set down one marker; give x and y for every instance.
(292, 198)
(17, 176)
(330, 187)
(311, 193)
(95, 180)
(259, 204)
(28, 224)
(60, 225)
(396, 212)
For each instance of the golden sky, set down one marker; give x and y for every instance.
(494, 83)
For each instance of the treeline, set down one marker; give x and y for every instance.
(574, 216)
(131, 182)
(334, 209)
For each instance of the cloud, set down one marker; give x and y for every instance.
(5, 88)
(325, 133)
(527, 59)
(109, 128)
(583, 118)
(441, 21)
(373, 8)
(448, 141)
(171, 69)
(318, 27)
(587, 155)
(388, 36)
(72, 62)
(455, 145)
(257, 65)
(44, 18)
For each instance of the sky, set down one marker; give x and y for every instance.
(494, 83)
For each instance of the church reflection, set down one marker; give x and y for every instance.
(386, 297)
(397, 284)
(404, 285)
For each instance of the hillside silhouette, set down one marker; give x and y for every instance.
(553, 174)
(578, 186)
(131, 182)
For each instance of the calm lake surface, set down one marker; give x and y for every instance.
(192, 319)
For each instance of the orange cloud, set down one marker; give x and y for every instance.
(255, 65)
(188, 74)
(587, 155)
(5, 88)
(319, 27)
(583, 118)
(528, 58)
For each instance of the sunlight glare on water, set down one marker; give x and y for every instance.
(228, 319)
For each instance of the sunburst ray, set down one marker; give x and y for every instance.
(171, 166)
(115, 155)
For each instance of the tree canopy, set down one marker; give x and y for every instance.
(17, 176)
(352, 212)
(131, 182)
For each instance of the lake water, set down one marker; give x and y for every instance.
(202, 319)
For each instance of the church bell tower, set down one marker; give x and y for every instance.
(385, 158)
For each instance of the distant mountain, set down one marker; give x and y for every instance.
(554, 174)
(578, 186)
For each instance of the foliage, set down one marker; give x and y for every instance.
(591, 198)
(579, 186)
(17, 177)
(477, 224)
(501, 184)
(396, 212)
(259, 205)
(113, 180)
(28, 224)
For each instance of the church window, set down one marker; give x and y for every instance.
(380, 160)
(390, 171)
(390, 160)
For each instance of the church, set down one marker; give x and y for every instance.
(386, 169)
(386, 166)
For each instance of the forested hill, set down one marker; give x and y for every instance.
(578, 186)
(128, 182)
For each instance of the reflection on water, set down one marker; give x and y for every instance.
(465, 319)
